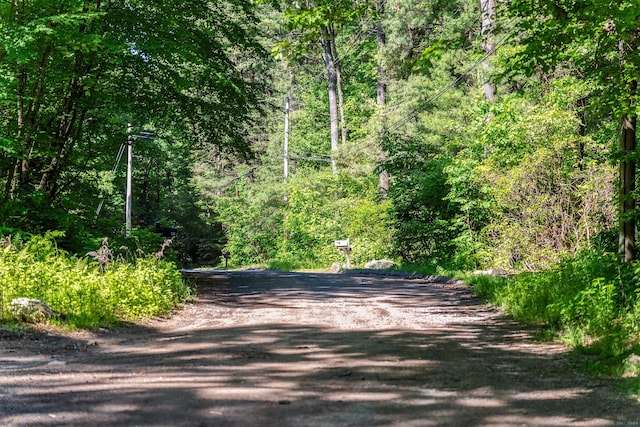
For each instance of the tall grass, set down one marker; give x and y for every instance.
(591, 300)
(101, 289)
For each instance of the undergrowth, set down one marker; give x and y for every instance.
(104, 288)
(590, 301)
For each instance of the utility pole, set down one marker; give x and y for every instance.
(286, 139)
(286, 165)
(129, 179)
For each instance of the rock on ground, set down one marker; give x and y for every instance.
(30, 310)
(380, 264)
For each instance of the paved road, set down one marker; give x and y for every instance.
(298, 349)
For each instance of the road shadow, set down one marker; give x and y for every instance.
(473, 369)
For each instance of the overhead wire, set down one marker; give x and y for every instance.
(309, 155)
(450, 86)
(121, 151)
(417, 109)
(395, 126)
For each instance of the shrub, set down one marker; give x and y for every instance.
(86, 292)
(262, 228)
(592, 298)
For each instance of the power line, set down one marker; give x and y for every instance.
(434, 98)
(309, 153)
(313, 159)
(416, 110)
(338, 60)
(121, 150)
(231, 181)
(449, 86)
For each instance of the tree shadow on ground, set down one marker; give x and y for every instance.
(296, 374)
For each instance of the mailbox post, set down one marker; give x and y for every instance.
(226, 256)
(343, 246)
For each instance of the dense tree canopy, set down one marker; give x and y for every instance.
(598, 42)
(73, 74)
(462, 108)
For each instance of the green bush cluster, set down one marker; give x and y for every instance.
(591, 299)
(101, 289)
(265, 229)
(514, 187)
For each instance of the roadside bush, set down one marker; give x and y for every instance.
(86, 292)
(590, 298)
(334, 207)
(253, 226)
(264, 229)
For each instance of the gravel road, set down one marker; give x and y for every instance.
(303, 349)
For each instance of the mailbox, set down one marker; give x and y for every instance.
(343, 246)
(341, 243)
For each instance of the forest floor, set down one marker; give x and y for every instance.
(307, 349)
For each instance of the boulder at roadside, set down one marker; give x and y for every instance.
(30, 310)
(380, 264)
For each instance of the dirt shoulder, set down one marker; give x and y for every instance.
(299, 349)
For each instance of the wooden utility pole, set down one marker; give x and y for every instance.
(129, 181)
(286, 139)
(383, 177)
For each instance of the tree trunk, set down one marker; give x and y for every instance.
(63, 138)
(336, 64)
(383, 177)
(16, 175)
(69, 127)
(627, 220)
(333, 98)
(27, 117)
(382, 40)
(488, 11)
(50, 178)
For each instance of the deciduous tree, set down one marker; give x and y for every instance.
(599, 41)
(73, 73)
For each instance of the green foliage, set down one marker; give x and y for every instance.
(591, 299)
(88, 293)
(309, 20)
(419, 32)
(263, 228)
(253, 225)
(596, 41)
(597, 44)
(322, 208)
(421, 212)
(530, 190)
(73, 74)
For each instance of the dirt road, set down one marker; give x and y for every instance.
(291, 350)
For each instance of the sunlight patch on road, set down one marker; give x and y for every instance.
(361, 396)
(480, 402)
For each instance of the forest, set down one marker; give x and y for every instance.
(447, 136)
